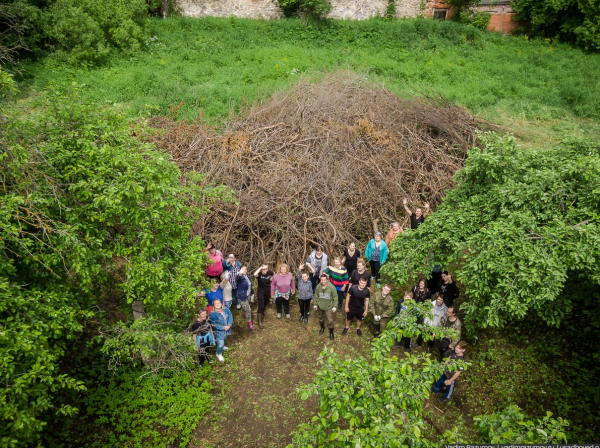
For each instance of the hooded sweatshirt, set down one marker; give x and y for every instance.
(325, 298)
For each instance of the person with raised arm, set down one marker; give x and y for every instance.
(214, 267)
(418, 217)
(220, 320)
(324, 300)
(282, 287)
(264, 277)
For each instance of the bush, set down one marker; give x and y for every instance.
(576, 21)
(89, 214)
(305, 9)
(477, 19)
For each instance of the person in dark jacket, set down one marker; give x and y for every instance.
(448, 289)
(449, 377)
(242, 294)
(203, 336)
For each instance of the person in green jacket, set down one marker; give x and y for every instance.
(324, 300)
(382, 304)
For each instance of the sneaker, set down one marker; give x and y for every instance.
(379, 285)
(220, 358)
(433, 391)
(225, 348)
(443, 399)
(288, 316)
(278, 315)
(407, 350)
(345, 330)
(396, 346)
(358, 332)
(372, 278)
(238, 306)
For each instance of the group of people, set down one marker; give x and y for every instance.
(325, 286)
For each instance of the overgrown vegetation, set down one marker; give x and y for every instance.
(307, 10)
(576, 21)
(89, 212)
(220, 65)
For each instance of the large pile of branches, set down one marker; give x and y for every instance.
(322, 163)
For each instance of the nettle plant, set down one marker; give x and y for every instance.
(378, 403)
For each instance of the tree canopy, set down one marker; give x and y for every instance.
(521, 227)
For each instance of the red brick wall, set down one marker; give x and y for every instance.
(502, 15)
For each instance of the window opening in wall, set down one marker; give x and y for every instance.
(440, 14)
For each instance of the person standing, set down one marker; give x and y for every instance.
(393, 233)
(421, 293)
(233, 267)
(449, 377)
(227, 290)
(382, 308)
(215, 292)
(305, 293)
(324, 300)
(357, 305)
(438, 310)
(402, 307)
(418, 217)
(351, 256)
(282, 287)
(220, 320)
(338, 275)
(264, 277)
(448, 289)
(214, 267)
(243, 293)
(446, 344)
(203, 336)
(318, 261)
(360, 272)
(377, 252)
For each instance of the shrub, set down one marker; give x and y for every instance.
(307, 10)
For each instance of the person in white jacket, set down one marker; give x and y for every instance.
(318, 261)
(438, 310)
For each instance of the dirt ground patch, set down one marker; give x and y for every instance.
(256, 401)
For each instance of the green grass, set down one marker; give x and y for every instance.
(216, 65)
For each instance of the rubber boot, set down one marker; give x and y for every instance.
(306, 315)
(331, 334)
(250, 325)
(322, 330)
(259, 316)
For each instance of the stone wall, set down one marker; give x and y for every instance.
(265, 9)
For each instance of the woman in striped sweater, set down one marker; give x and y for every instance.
(338, 275)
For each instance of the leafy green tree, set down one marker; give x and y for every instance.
(91, 218)
(521, 227)
(378, 403)
(575, 21)
(513, 426)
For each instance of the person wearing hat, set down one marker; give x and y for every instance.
(233, 267)
(324, 300)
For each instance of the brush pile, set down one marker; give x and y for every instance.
(322, 163)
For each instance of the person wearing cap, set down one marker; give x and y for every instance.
(324, 300)
(233, 267)
(377, 252)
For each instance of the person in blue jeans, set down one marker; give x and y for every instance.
(233, 267)
(448, 378)
(220, 320)
(377, 252)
